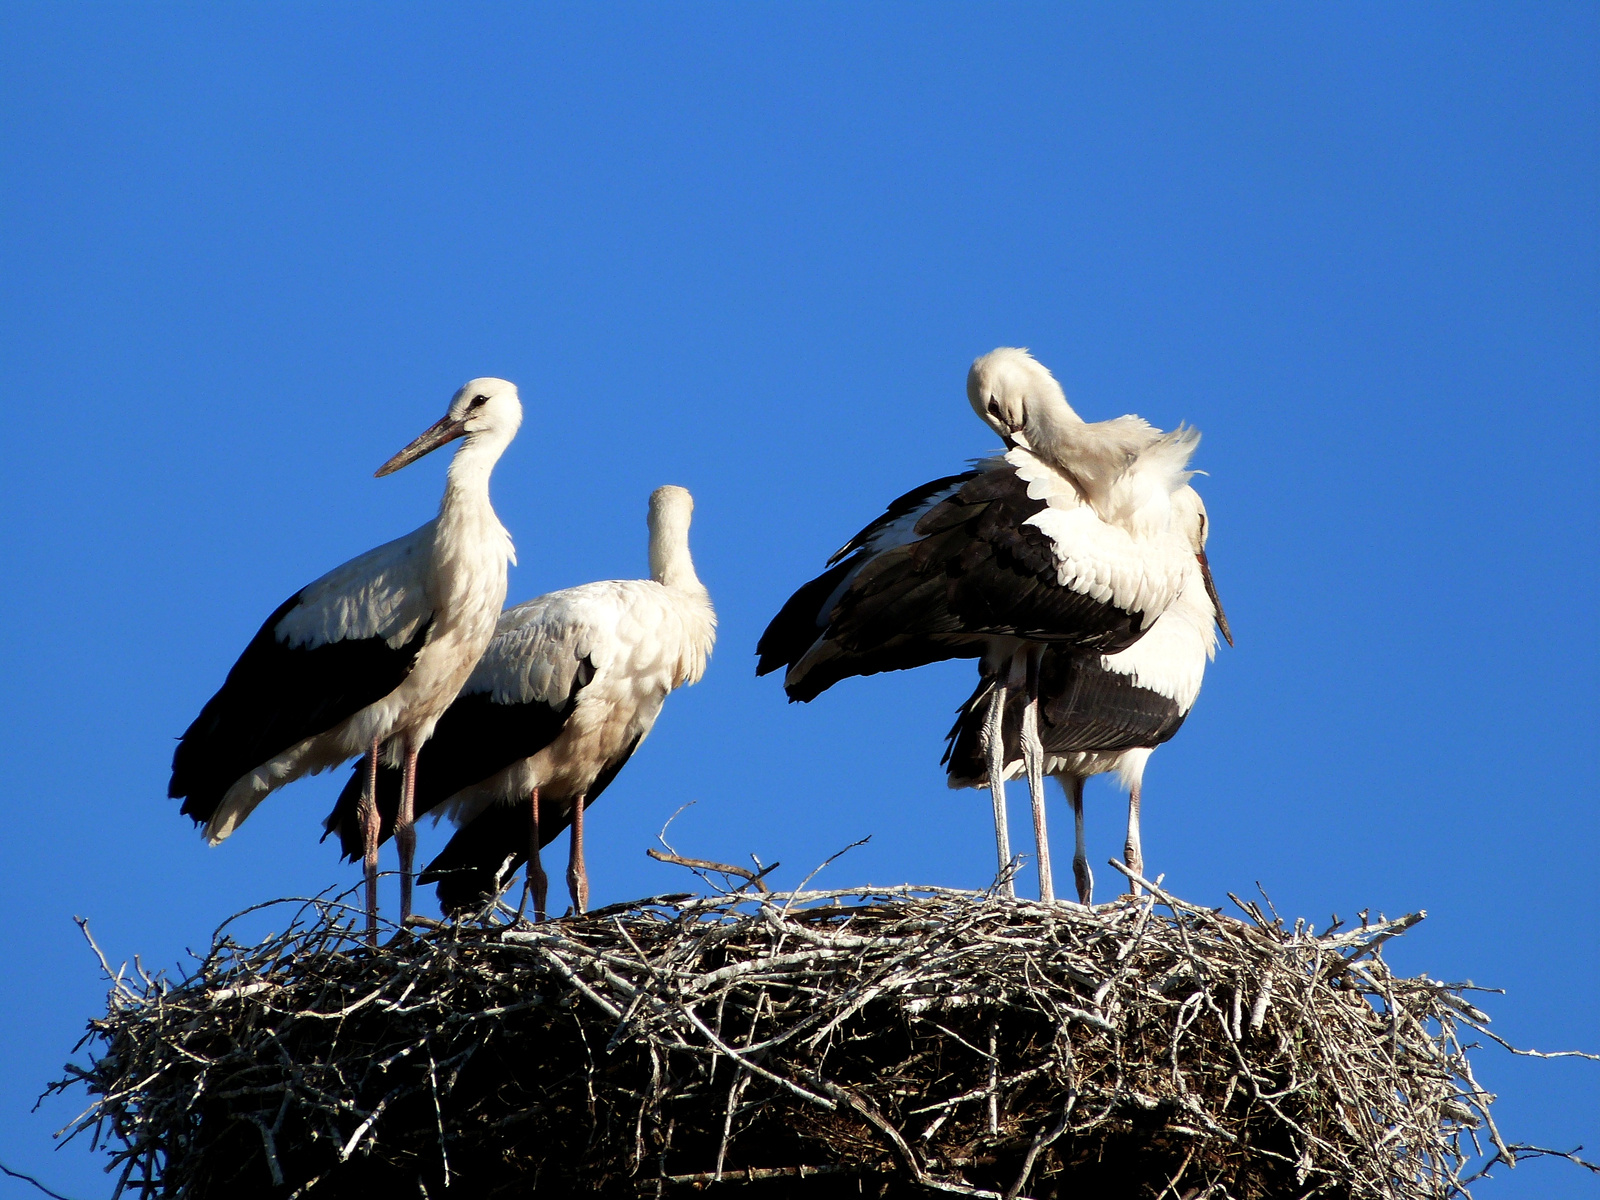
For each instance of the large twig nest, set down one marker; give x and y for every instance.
(881, 1041)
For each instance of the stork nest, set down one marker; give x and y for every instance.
(880, 1041)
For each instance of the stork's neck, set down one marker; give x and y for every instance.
(467, 524)
(1054, 427)
(670, 563)
(468, 479)
(1094, 455)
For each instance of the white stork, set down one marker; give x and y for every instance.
(371, 653)
(1065, 540)
(1108, 712)
(570, 686)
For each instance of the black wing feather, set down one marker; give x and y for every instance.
(1082, 707)
(977, 570)
(274, 698)
(799, 622)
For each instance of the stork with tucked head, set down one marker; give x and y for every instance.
(570, 686)
(1064, 540)
(366, 659)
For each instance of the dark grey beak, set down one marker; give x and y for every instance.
(444, 430)
(1211, 590)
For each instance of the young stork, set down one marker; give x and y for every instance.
(370, 654)
(570, 686)
(1108, 712)
(1065, 540)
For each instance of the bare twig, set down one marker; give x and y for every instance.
(705, 864)
(5, 1170)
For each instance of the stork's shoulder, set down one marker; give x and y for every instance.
(382, 593)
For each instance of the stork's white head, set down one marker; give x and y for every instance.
(1014, 395)
(484, 411)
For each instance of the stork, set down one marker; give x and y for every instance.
(366, 659)
(1065, 540)
(1099, 713)
(570, 686)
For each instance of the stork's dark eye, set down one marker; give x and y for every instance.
(994, 407)
(477, 402)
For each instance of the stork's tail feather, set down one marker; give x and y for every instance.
(478, 860)
(799, 622)
(345, 819)
(964, 761)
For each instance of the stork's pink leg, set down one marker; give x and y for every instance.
(577, 876)
(405, 830)
(369, 835)
(538, 882)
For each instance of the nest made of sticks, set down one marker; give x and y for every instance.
(880, 1041)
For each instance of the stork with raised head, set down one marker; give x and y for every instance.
(1065, 540)
(1099, 713)
(366, 659)
(570, 686)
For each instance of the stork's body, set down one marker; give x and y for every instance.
(1064, 541)
(1099, 713)
(571, 684)
(367, 658)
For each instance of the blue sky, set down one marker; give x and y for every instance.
(248, 252)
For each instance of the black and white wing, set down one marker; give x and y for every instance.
(803, 619)
(331, 649)
(514, 704)
(1105, 703)
(1013, 550)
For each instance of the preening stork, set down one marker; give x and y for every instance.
(1065, 540)
(570, 686)
(366, 659)
(1099, 713)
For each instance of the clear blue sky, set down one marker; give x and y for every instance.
(247, 252)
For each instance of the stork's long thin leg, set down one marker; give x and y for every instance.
(405, 830)
(1081, 873)
(369, 836)
(577, 877)
(538, 882)
(994, 742)
(1033, 762)
(1132, 853)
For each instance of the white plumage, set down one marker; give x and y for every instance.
(371, 653)
(571, 684)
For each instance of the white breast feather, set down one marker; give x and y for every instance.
(1171, 658)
